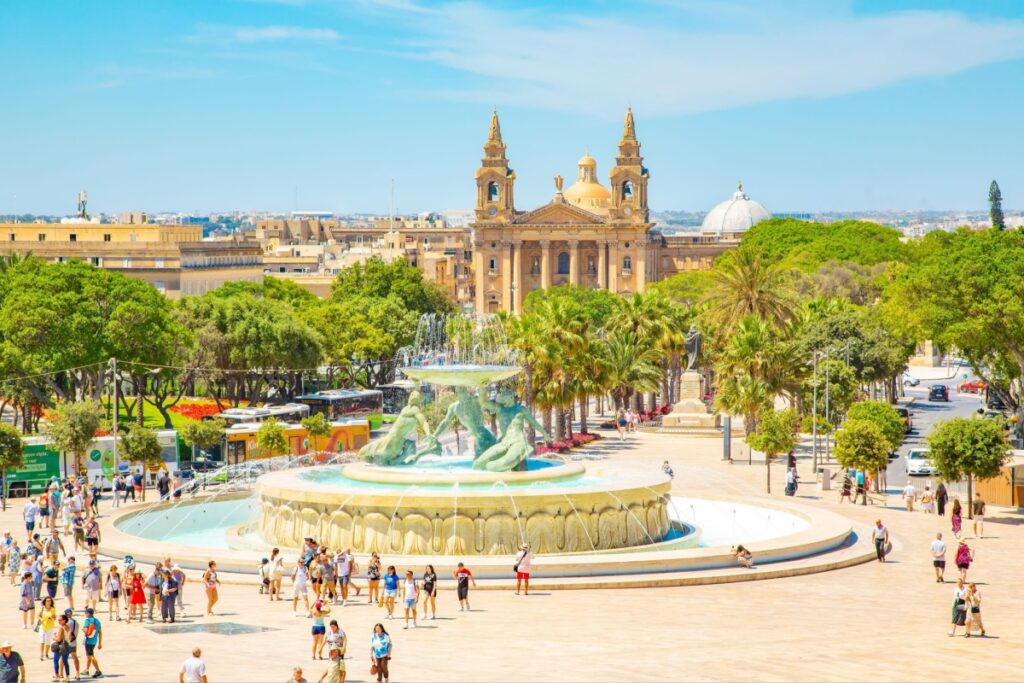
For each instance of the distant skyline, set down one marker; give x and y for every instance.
(249, 104)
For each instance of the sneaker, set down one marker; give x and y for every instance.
(98, 674)
(406, 626)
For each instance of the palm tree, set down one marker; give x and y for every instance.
(646, 317)
(527, 335)
(629, 366)
(744, 285)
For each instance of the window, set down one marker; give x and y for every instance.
(160, 262)
(535, 268)
(492, 264)
(563, 263)
(74, 237)
(106, 237)
(591, 268)
(492, 191)
(42, 237)
(627, 264)
(96, 261)
(127, 262)
(12, 236)
(627, 190)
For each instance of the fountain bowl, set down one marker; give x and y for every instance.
(461, 375)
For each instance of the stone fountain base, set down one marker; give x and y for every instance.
(407, 511)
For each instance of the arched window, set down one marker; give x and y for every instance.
(492, 191)
(627, 263)
(627, 190)
(563, 263)
(535, 268)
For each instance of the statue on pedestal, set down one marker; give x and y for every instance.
(692, 343)
(398, 446)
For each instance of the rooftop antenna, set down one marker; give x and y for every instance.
(83, 199)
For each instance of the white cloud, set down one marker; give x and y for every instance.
(670, 63)
(262, 34)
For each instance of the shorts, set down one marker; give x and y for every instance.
(941, 564)
(319, 630)
(114, 595)
(45, 636)
(93, 595)
(44, 512)
(89, 649)
(522, 576)
(30, 525)
(463, 590)
(963, 567)
(410, 603)
(68, 587)
(300, 589)
(344, 580)
(92, 541)
(390, 592)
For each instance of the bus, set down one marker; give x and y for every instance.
(396, 395)
(349, 434)
(287, 412)
(337, 404)
(42, 464)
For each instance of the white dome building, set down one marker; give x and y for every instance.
(734, 215)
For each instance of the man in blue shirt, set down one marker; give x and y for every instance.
(93, 630)
(67, 581)
(168, 594)
(12, 667)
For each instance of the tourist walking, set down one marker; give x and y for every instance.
(276, 572)
(880, 535)
(193, 669)
(667, 469)
(27, 603)
(137, 597)
(343, 570)
(50, 576)
(168, 595)
(211, 582)
(179, 575)
(978, 508)
(14, 562)
(319, 630)
(410, 597)
(522, 568)
(860, 488)
(45, 625)
(390, 590)
(29, 512)
(73, 629)
(380, 653)
(938, 550)
(153, 590)
(429, 592)
(959, 606)
(620, 425)
(909, 496)
(92, 581)
(112, 587)
(60, 649)
(12, 666)
(974, 614)
(337, 643)
(5, 550)
(297, 676)
(956, 518)
(93, 630)
(463, 577)
(92, 536)
(373, 571)
(300, 577)
(928, 500)
(67, 581)
(941, 497)
(964, 557)
(844, 491)
(54, 546)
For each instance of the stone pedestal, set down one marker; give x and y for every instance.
(690, 411)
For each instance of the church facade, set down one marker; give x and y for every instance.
(587, 235)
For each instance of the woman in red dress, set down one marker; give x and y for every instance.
(137, 598)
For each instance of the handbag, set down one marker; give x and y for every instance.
(373, 668)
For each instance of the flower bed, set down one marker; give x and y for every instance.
(574, 441)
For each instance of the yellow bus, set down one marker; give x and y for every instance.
(346, 435)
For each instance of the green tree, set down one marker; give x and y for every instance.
(73, 428)
(376, 279)
(806, 245)
(744, 284)
(203, 435)
(318, 427)
(12, 457)
(270, 438)
(140, 444)
(860, 444)
(883, 416)
(774, 437)
(974, 448)
(995, 206)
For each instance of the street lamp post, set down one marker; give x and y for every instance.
(828, 440)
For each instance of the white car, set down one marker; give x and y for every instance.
(919, 464)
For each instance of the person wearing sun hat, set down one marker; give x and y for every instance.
(12, 666)
(522, 568)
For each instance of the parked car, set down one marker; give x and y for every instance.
(918, 463)
(994, 402)
(938, 392)
(905, 414)
(973, 387)
(909, 381)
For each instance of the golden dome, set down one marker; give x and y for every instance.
(586, 192)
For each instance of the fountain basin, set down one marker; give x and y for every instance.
(462, 375)
(557, 509)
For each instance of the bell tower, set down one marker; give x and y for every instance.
(629, 178)
(494, 180)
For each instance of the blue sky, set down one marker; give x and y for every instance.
(200, 105)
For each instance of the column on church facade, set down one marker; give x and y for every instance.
(545, 263)
(506, 275)
(640, 269)
(518, 276)
(613, 266)
(479, 273)
(602, 264)
(574, 262)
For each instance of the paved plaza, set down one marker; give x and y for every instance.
(868, 622)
